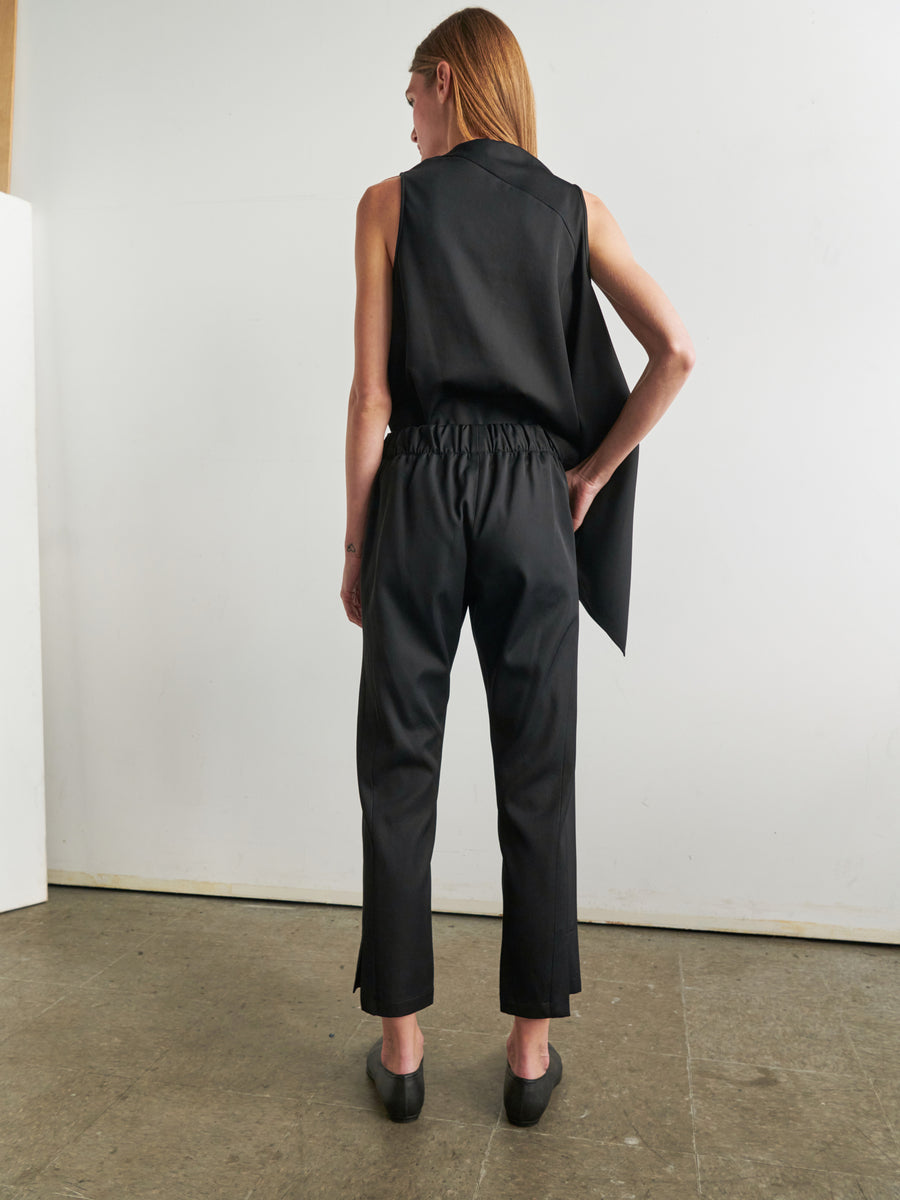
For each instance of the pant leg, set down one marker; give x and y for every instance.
(522, 592)
(412, 598)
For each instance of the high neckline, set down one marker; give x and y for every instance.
(485, 149)
(480, 143)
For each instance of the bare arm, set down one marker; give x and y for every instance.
(648, 313)
(369, 406)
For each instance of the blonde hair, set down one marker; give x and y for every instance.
(490, 81)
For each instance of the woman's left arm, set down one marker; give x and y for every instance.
(369, 407)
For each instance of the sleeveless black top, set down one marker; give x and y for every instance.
(495, 318)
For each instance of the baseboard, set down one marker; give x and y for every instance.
(692, 923)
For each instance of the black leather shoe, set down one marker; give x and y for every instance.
(526, 1099)
(403, 1095)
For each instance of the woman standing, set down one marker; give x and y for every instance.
(505, 489)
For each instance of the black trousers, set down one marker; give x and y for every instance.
(469, 517)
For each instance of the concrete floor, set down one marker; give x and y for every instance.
(185, 1047)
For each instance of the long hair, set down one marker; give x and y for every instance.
(491, 85)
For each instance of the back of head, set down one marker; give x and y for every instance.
(491, 85)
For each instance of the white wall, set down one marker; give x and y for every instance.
(195, 178)
(23, 850)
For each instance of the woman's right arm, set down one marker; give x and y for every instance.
(650, 316)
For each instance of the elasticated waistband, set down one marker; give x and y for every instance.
(490, 438)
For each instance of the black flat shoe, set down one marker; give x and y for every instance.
(403, 1095)
(526, 1099)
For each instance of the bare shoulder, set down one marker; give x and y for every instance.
(591, 200)
(381, 198)
(378, 211)
(602, 225)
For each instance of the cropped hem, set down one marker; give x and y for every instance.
(397, 1008)
(536, 1011)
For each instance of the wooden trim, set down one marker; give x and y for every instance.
(7, 86)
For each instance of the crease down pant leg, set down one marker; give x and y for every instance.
(523, 605)
(411, 589)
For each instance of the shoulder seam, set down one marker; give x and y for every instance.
(524, 191)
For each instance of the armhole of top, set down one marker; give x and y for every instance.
(585, 244)
(400, 222)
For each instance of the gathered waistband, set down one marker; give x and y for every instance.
(490, 438)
